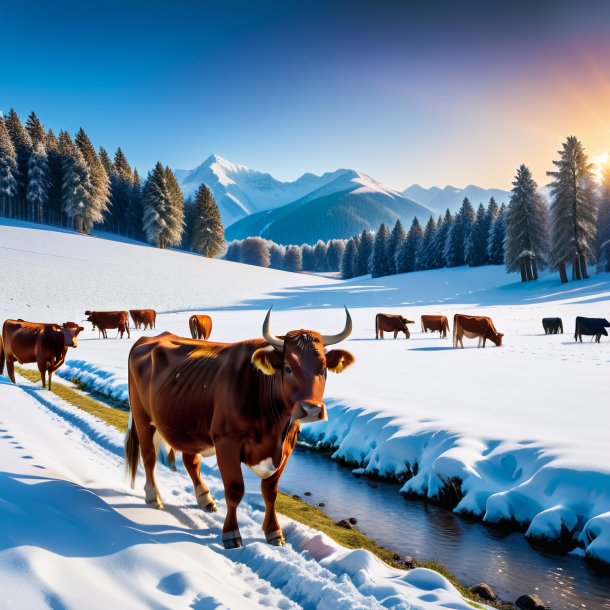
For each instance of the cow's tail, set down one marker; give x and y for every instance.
(422, 324)
(561, 326)
(376, 326)
(165, 454)
(455, 330)
(446, 326)
(576, 331)
(2, 356)
(132, 451)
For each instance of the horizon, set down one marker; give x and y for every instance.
(403, 94)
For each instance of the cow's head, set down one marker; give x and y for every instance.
(495, 338)
(302, 362)
(606, 323)
(70, 331)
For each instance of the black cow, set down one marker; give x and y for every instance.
(552, 326)
(594, 327)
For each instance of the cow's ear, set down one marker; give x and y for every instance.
(337, 360)
(267, 360)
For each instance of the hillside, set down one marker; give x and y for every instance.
(342, 208)
(439, 199)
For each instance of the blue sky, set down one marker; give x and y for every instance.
(431, 92)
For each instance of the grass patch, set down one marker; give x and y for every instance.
(295, 509)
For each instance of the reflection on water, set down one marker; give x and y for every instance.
(472, 551)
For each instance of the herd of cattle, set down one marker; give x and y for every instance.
(184, 396)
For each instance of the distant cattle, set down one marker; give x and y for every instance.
(200, 326)
(146, 318)
(242, 401)
(552, 326)
(391, 323)
(474, 327)
(434, 324)
(29, 342)
(105, 320)
(591, 327)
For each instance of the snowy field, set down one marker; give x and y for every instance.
(526, 427)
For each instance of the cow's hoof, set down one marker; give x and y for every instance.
(211, 508)
(278, 542)
(155, 503)
(234, 543)
(276, 538)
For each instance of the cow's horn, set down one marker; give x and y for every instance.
(271, 339)
(344, 334)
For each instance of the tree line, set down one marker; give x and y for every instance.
(65, 182)
(321, 257)
(525, 236)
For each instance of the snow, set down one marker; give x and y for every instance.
(74, 533)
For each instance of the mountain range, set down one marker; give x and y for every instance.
(336, 204)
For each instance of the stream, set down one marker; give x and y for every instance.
(470, 550)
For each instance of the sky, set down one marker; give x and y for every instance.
(430, 92)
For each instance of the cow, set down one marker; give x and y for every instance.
(146, 318)
(435, 323)
(475, 327)
(44, 344)
(200, 326)
(389, 322)
(552, 326)
(593, 327)
(242, 401)
(104, 320)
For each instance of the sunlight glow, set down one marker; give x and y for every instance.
(601, 163)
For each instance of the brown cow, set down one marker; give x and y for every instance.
(474, 327)
(389, 322)
(44, 344)
(104, 320)
(435, 323)
(201, 327)
(146, 318)
(242, 401)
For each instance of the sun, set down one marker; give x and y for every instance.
(601, 164)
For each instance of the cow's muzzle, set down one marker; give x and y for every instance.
(310, 411)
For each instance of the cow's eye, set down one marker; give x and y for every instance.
(288, 370)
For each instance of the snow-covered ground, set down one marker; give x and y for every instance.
(526, 427)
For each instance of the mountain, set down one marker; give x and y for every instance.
(340, 208)
(240, 191)
(439, 199)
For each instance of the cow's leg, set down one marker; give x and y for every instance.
(43, 378)
(192, 463)
(395, 334)
(50, 375)
(10, 367)
(146, 432)
(229, 465)
(271, 526)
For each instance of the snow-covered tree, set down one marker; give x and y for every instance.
(307, 258)
(457, 237)
(175, 219)
(493, 209)
(349, 261)
(426, 255)
(395, 242)
(525, 242)
(207, 231)
(365, 251)
(441, 236)
(255, 251)
(38, 182)
(23, 148)
(36, 130)
(603, 222)
(379, 259)
(8, 171)
(319, 256)
(573, 211)
(77, 191)
(276, 256)
(135, 209)
(293, 259)
(407, 256)
(495, 243)
(157, 207)
(233, 252)
(476, 243)
(334, 254)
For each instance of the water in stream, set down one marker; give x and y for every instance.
(472, 551)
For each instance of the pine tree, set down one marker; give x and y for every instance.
(426, 255)
(348, 260)
(379, 259)
(293, 259)
(276, 256)
(307, 257)
(8, 172)
(495, 245)
(573, 210)
(440, 239)
(255, 251)
(99, 181)
(76, 191)
(175, 218)
(526, 219)
(35, 130)
(207, 232)
(156, 204)
(603, 222)
(56, 152)
(492, 211)
(407, 256)
(365, 251)
(334, 253)
(38, 182)
(23, 148)
(135, 208)
(458, 235)
(319, 256)
(395, 242)
(121, 178)
(476, 245)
